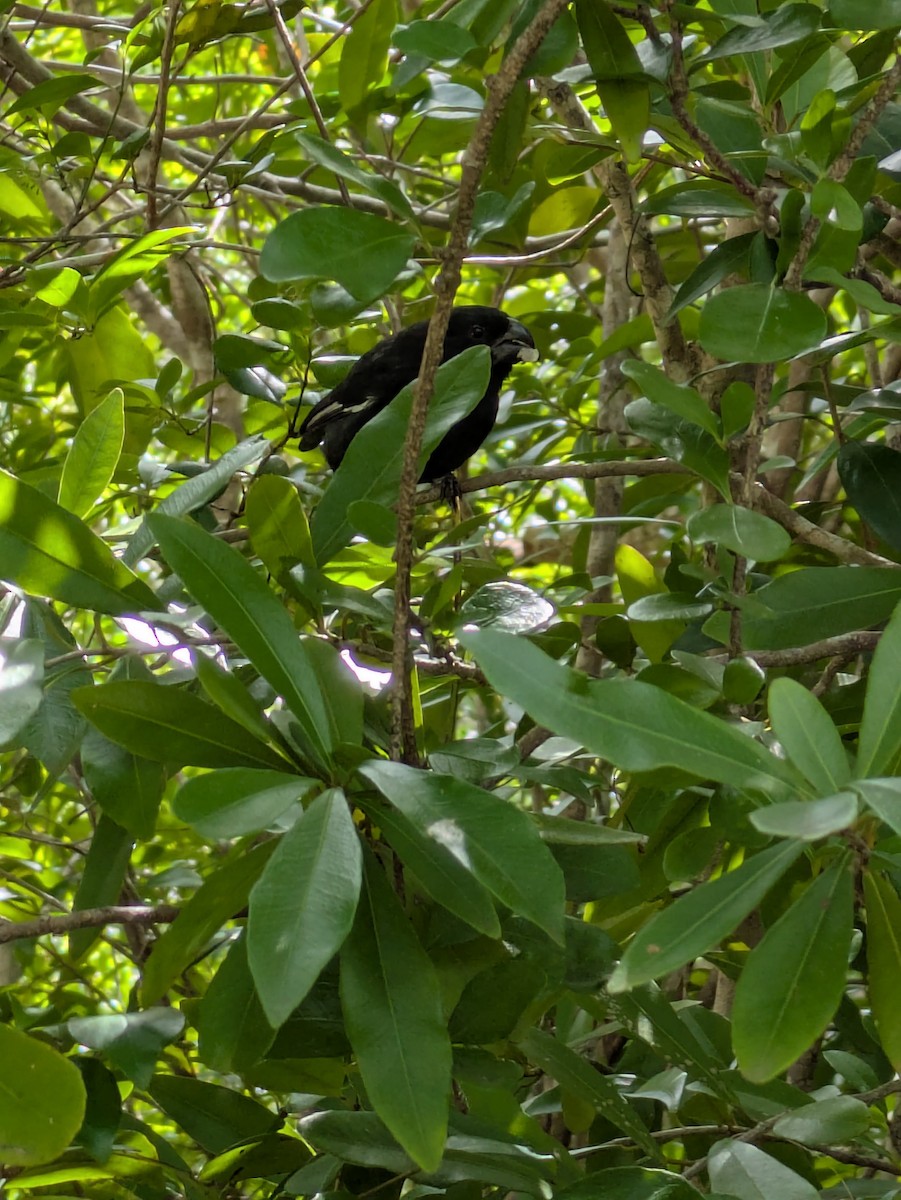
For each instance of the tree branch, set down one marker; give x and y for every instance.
(88, 918)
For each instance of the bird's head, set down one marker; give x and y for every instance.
(478, 325)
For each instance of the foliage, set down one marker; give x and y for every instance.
(627, 921)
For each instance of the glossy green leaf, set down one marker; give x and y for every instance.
(329, 156)
(701, 918)
(757, 323)
(278, 526)
(728, 258)
(864, 294)
(833, 204)
(630, 1183)
(234, 1032)
(682, 441)
(884, 960)
(438, 41)
(743, 1172)
(128, 787)
(627, 106)
(490, 837)
(577, 1075)
(608, 47)
(237, 800)
(42, 1101)
(793, 980)
(393, 1013)
(215, 1117)
(741, 530)
(506, 605)
(93, 455)
(436, 868)
(808, 735)
(698, 198)
(361, 252)
(371, 468)
(871, 475)
(820, 602)
(318, 690)
(302, 906)
(21, 675)
(635, 726)
(832, 1121)
(883, 796)
(132, 1041)
(788, 24)
(879, 745)
(876, 14)
(194, 493)
(167, 724)
(364, 55)
(101, 880)
(808, 820)
(220, 896)
(48, 551)
(684, 401)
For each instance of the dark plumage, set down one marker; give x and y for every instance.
(377, 377)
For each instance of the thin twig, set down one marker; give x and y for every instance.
(88, 918)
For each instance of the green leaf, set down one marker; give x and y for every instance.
(884, 960)
(505, 605)
(701, 918)
(42, 1101)
(682, 441)
(490, 837)
(440, 873)
(128, 787)
(101, 880)
(234, 1032)
(808, 735)
(438, 41)
(317, 688)
(698, 198)
(361, 252)
(342, 165)
(609, 49)
(793, 980)
(21, 675)
(627, 105)
(237, 800)
(575, 1074)
(636, 726)
(278, 526)
(364, 55)
(808, 820)
(132, 1041)
(196, 492)
(48, 551)
(740, 530)
(788, 24)
(215, 1117)
(167, 724)
(879, 744)
(876, 14)
(833, 1121)
(743, 1172)
(393, 1013)
(758, 323)
(103, 1112)
(218, 898)
(833, 204)
(684, 401)
(93, 455)
(871, 475)
(630, 1183)
(728, 258)
(820, 602)
(51, 94)
(864, 294)
(371, 468)
(883, 796)
(302, 906)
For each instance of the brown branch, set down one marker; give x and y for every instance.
(845, 645)
(554, 471)
(498, 89)
(88, 918)
(805, 531)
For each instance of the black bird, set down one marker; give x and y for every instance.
(377, 377)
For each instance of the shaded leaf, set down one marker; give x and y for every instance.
(758, 323)
(884, 960)
(871, 475)
(42, 1101)
(808, 735)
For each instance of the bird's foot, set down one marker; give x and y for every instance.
(451, 493)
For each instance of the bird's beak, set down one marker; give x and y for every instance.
(518, 335)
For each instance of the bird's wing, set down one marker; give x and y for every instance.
(372, 382)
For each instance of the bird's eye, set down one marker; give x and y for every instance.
(478, 331)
